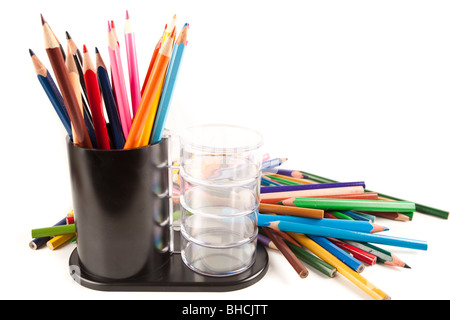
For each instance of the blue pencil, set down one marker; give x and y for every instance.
(272, 163)
(353, 225)
(350, 261)
(309, 229)
(169, 85)
(118, 138)
(52, 92)
(312, 186)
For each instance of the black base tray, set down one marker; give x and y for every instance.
(173, 276)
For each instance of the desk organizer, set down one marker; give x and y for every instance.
(123, 221)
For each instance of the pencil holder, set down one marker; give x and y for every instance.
(121, 209)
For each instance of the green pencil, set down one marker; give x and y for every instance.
(53, 231)
(349, 204)
(419, 207)
(312, 260)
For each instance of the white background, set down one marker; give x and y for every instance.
(350, 90)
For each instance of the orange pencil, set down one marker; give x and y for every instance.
(156, 76)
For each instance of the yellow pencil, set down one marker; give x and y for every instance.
(58, 241)
(351, 275)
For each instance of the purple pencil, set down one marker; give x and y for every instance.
(312, 186)
(265, 241)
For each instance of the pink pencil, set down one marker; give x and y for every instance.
(119, 80)
(133, 71)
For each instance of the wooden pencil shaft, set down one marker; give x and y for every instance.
(345, 234)
(70, 99)
(287, 210)
(348, 273)
(313, 261)
(314, 192)
(53, 231)
(350, 204)
(312, 186)
(287, 253)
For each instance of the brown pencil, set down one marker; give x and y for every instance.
(287, 253)
(70, 98)
(292, 211)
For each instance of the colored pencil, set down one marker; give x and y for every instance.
(355, 196)
(58, 241)
(344, 270)
(53, 231)
(268, 182)
(95, 101)
(419, 207)
(118, 138)
(290, 173)
(315, 230)
(354, 225)
(272, 163)
(68, 94)
(133, 70)
(340, 215)
(152, 63)
(287, 210)
(150, 123)
(169, 85)
(38, 242)
(383, 256)
(357, 216)
(280, 177)
(312, 192)
(284, 182)
(298, 266)
(311, 186)
(265, 241)
(119, 85)
(358, 253)
(77, 56)
(350, 204)
(52, 92)
(158, 72)
(313, 261)
(346, 258)
(397, 216)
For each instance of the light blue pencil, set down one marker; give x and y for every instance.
(350, 261)
(353, 225)
(344, 234)
(169, 85)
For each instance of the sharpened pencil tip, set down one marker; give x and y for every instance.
(68, 37)
(127, 16)
(406, 266)
(96, 50)
(42, 19)
(113, 26)
(85, 50)
(31, 52)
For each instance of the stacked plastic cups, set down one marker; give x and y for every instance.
(220, 180)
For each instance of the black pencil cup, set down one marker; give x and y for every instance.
(121, 209)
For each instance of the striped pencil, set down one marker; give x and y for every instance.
(348, 273)
(95, 101)
(133, 70)
(344, 234)
(52, 92)
(70, 100)
(169, 85)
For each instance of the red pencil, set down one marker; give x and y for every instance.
(359, 254)
(95, 101)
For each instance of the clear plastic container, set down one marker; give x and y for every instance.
(220, 180)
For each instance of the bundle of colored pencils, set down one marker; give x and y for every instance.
(83, 91)
(329, 225)
(55, 236)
